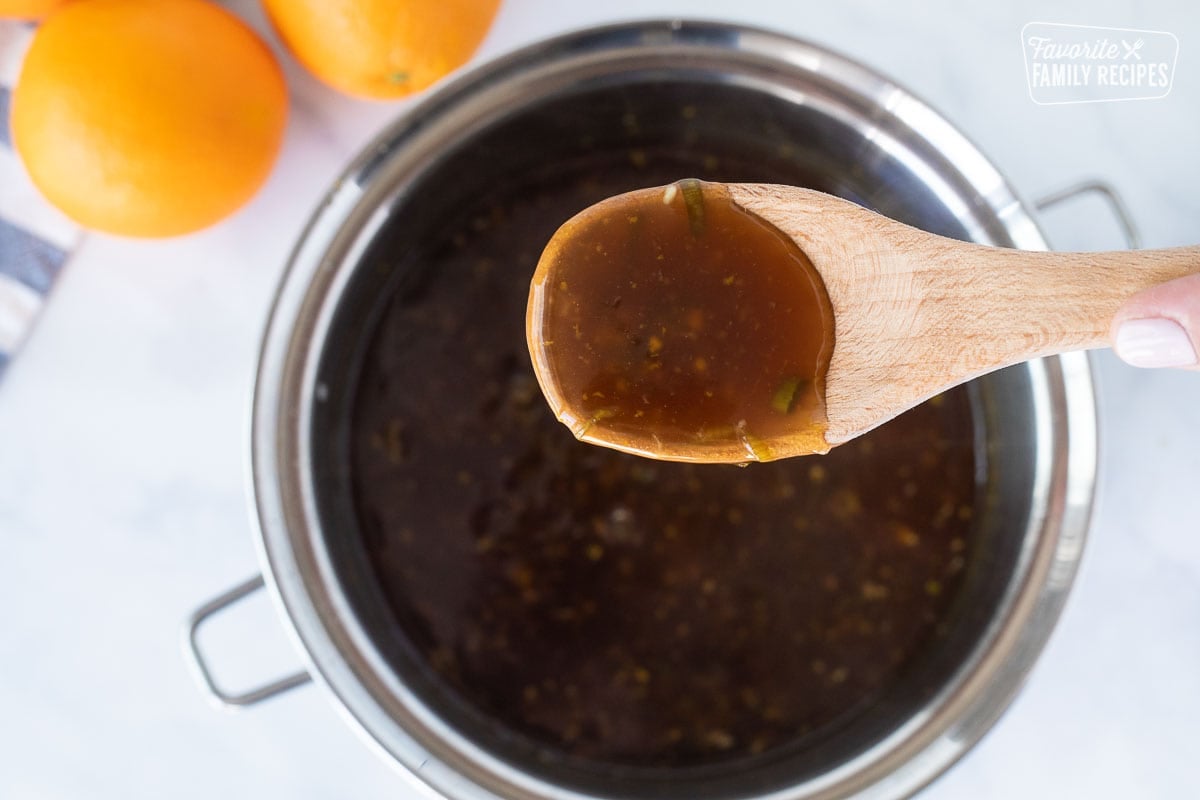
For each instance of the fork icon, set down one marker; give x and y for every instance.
(1132, 49)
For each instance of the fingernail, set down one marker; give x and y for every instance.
(1154, 342)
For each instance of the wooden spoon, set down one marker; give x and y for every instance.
(913, 314)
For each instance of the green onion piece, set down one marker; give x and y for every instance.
(693, 198)
(785, 396)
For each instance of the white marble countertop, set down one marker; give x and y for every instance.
(123, 440)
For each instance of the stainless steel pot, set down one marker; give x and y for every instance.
(790, 109)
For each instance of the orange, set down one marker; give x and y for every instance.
(29, 9)
(148, 117)
(381, 49)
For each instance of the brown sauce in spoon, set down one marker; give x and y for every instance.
(670, 322)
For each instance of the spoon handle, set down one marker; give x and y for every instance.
(1027, 304)
(975, 309)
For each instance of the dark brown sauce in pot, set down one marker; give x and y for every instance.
(670, 322)
(614, 608)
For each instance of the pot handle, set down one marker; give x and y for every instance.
(225, 699)
(1129, 229)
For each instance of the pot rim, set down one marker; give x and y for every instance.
(300, 574)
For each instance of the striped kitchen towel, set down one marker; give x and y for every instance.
(35, 239)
